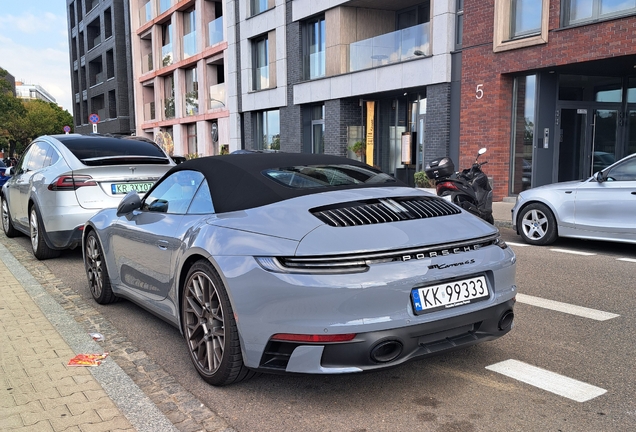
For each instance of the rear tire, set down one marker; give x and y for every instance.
(7, 225)
(96, 272)
(41, 250)
(210, 329)
(537, 225)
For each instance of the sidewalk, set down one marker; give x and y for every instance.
(39, 392)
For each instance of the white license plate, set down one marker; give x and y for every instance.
(124, 188)
(450, 294)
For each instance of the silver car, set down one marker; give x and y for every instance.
(63, 180)
(601, 207)
(302, 263)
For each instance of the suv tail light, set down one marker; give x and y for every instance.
(71, 182)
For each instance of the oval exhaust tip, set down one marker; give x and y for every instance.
(505, 322)
(386, 351)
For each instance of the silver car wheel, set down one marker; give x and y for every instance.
(35, 232)
(205, 328)
(537, 224)
(7, 226)
(94, 266)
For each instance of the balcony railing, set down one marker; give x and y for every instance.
(189, 44)
(390, 48)
(166, 55)
(215, 30)
(146, 63)
(145, 13)
(217, 96)
(316, 62)
(149, 111)
(192, 103)
(164, 5)
(168, 108)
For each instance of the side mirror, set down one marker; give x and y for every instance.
(599, 177)
(7, 171)
(129, 203)
(482, 151)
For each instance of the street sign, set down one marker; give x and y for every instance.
(93, 118)
(67, 129)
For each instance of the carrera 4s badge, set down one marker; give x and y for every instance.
(457, 264)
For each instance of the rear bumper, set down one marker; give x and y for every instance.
(64, 239)
(387, 348)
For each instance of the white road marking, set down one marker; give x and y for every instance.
(566, 308)
(626, 259)
(517, 244)
(546, 380)
(573, 252)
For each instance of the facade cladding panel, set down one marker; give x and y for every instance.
(105, 27)
(593, 48)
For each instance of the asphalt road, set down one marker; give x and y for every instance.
(456, 391)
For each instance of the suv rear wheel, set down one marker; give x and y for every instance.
(41, 250)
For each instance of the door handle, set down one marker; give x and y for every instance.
(634, 193)
(162, 244)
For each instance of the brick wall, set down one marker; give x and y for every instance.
(486, 122)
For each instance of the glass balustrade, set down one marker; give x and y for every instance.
(189, 44)
(390, 48)
(164, 5)
(215, 30)
(261, 77)
(166, 55)
(217, 96)
(145, 13)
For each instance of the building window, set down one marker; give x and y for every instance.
(192, 92)
(168, 100)
(318, 129)
(314, 48)
(520, 23)
(459, 24)
(192, 140)
(260, 48)
(579, 11)
(523, 125)
(189, 34)
(268, 130)
(258, 6)
(166, 45)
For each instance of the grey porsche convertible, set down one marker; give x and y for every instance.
(301, 263)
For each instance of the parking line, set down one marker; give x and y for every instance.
(626, 259)
(573, 252)
(546, 380)
(566, 308)
(517, 244)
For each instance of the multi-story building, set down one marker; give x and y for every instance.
(99, 42)
(179, 68)
(320, 76)
(549, 86)
(8, 78)
(32, 91)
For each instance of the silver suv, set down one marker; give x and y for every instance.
(63, 180)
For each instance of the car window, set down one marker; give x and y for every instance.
(174, 193)
(202, 202)
(37, 154)
(625, 171)
(51, 157)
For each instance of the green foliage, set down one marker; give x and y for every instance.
(359, 148)
(192, 156)
(422, 181)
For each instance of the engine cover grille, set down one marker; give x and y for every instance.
(384, 210)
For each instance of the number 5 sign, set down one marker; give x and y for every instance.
(479, 91)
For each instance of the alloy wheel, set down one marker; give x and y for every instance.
(535, 224)
(35, 231)
(5, 215)
(94, 266)
(204, 323)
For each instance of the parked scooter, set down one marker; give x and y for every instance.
(469, 188)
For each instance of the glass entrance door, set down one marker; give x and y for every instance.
(587, 144)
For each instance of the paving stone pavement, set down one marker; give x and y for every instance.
(136, 390)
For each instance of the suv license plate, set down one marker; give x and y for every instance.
(449, 295)
(124, 188)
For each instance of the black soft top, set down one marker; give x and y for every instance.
(237, 182)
